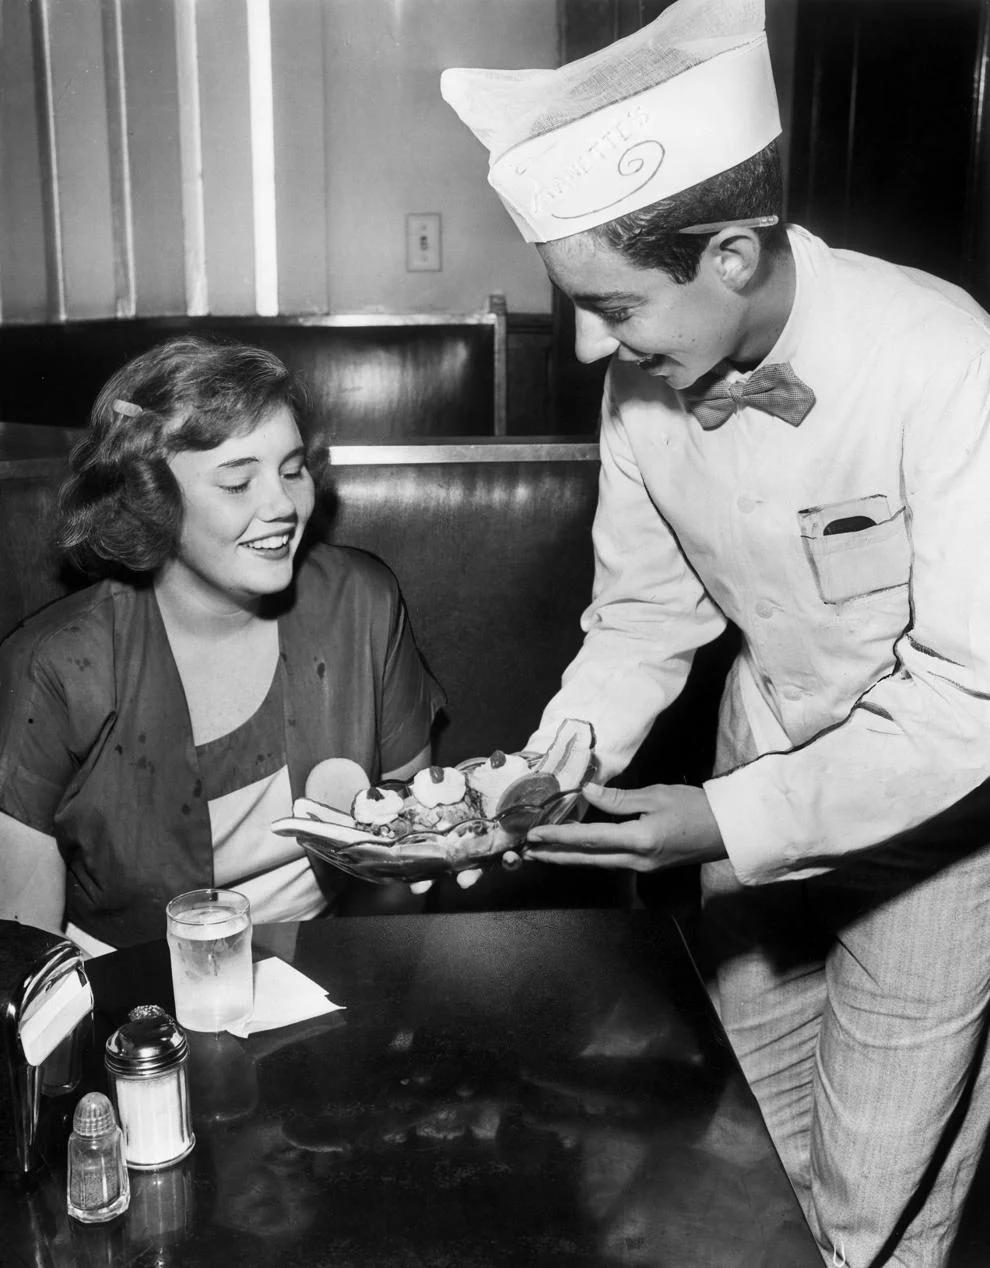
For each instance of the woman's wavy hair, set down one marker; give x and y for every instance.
(650, 237)
(120, 508)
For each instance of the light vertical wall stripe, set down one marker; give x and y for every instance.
(191, 154)
(298, 78)
(120, 166)
(154, 156)
(56, 280)
(228, 196)
(24, 202)
(82, 146)
(259, 32)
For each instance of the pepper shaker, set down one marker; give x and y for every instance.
(97, 1184)
(146, 1060)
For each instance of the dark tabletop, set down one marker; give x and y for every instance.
(527, 1087)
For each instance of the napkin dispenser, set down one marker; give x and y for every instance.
(46, 1007)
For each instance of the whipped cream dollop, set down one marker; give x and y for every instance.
(492, 776)
(376, 806)
(438, 786)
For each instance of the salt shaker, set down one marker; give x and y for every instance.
(146, 1060)
(97, 1185)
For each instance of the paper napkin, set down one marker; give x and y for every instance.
(282, 996)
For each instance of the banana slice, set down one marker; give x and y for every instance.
(571, 755)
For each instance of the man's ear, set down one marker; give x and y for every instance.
(735, 256)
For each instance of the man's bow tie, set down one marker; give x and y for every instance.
(774, 389)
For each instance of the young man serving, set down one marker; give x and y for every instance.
(796, 440)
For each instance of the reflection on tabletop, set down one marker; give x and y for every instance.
(461, 1120)
(540, 1088)
(593, 1129)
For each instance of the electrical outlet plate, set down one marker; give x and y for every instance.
(423, 242)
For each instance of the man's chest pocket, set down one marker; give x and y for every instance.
(856, 547)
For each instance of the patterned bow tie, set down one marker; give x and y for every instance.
(774, 389)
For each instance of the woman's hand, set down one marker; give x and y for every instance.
(674, 824)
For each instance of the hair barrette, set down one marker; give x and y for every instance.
(128, 408)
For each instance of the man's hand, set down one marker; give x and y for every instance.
(675, 825)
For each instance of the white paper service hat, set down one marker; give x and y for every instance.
(687, 97)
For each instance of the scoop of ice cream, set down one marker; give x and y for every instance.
(422, 818)
(336, 781)
(438, 786)
(377, 806)
(491, 778)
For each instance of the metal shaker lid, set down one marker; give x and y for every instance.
(93, 1115)
(149, 1042)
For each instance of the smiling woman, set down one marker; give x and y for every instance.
(154, 725)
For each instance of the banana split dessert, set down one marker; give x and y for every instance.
(439, 798)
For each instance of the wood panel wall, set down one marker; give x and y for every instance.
(890, 140)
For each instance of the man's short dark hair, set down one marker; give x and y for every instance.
(120, 508)
(649, 238)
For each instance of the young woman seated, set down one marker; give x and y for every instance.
(153, 725)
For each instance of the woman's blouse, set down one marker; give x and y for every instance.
(96, 745)
(244, 799)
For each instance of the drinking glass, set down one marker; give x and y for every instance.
(209, 942)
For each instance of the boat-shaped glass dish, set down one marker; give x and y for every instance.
(419, 855)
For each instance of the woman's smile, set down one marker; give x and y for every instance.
(275, 546)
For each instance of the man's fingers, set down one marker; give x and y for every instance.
(593, 837)
(624, 801)
(420, 887)
(582, 858)
(467, 878)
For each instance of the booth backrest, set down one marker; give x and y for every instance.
(490, 542)
(492, 548)
(371, 378)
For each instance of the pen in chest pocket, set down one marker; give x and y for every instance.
(848, 524)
